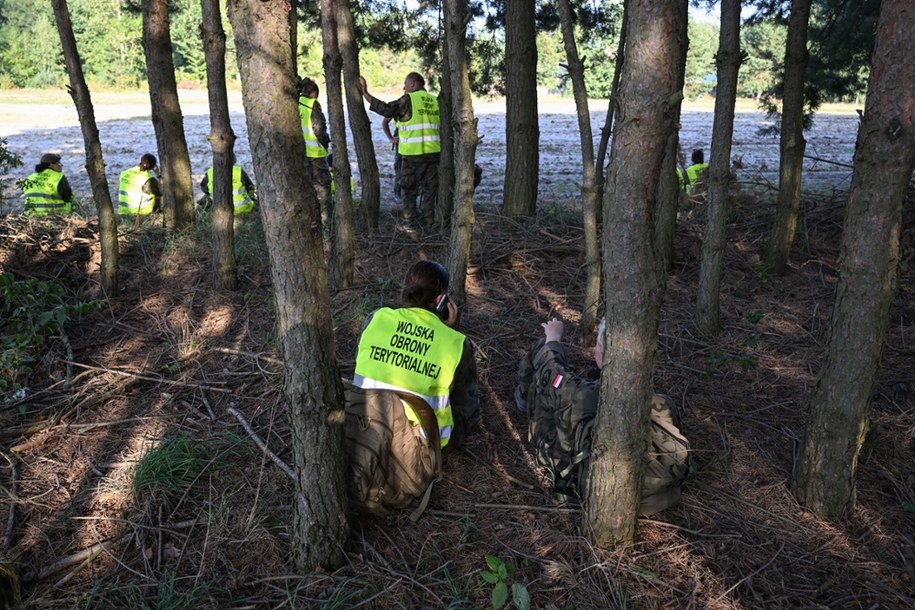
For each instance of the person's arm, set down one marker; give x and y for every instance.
(386, 127)
(205, 184)
(247, 182)
(319, 125)
(151, 187)
(401, 109)
(64, 190)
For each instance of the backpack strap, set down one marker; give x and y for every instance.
(430, 427)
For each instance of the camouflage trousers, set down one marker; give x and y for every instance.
(419, 185)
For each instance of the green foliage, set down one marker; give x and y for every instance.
(8, 160)
(497, 576)
(700, 58)
(32, 311)
(764, 44)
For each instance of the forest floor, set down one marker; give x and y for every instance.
(129, 482)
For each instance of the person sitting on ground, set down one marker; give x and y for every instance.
(244, 196)
(138, 189)
(47, 191)
(418, 375)
(562, 408)
(696, 175)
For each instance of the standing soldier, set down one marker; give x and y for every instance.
(418, 121)
(138, 189)
(47, 191)
(317, 140)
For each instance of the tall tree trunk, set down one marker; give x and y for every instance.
(607, 129)
(589, 186)
(177, 192)
(359, 123)
(633, 283)
(342, 263)
(222, 140)
(869, 257)
(668, 185)
(793, 144)
(728, 62)
(522, 131)
(95, 164)
(312, 386)
(446, 132)
(465, 148)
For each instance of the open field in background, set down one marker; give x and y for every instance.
(35, 122)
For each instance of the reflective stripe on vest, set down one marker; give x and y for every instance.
(241, 198)
(41, 196)
(313, 148)
(412, 350)
(421, 134)
(131, 198)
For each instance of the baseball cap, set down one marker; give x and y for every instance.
(49, 158)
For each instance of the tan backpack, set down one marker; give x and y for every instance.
(392, 461)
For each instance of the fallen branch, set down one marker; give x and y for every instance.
(260, 443)
(85, 555)
(256, 356)
(186, 384)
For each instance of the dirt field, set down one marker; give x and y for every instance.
(126, 132)
(161, 366)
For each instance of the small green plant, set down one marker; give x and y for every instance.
(754, 316)
(31, 312)
(497, 576)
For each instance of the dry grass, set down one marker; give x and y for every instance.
(171, 355)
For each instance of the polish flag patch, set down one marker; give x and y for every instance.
(557, 381)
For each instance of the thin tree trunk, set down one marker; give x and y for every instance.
(312, 387)
(359, 123)
(589, 186)
(465, 149)
(222, 140)
(607, 129)
(633, 283)
(177, 192)
(668, 186)
(792, 144)
(343, 261)
(446, 132)
(522, 131)
(95, 164)
(869, 258)
(728, 61)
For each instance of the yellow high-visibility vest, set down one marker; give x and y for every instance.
(410, 349)
(313, 148)
(420, 135)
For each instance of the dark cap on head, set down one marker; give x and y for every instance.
(49, 158)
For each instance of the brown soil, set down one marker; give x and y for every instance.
(171, 355)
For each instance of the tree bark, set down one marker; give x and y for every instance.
(446, 159)
(589, 187)
(869, 257)
(222, 140)
(633, 285)
(522, 131)
(174, 161)
(465, 148)
(359, 123)
(95, 163)
(669, 193)
(792, 143)
(728, 62)
(343, 261)
(312, 387)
